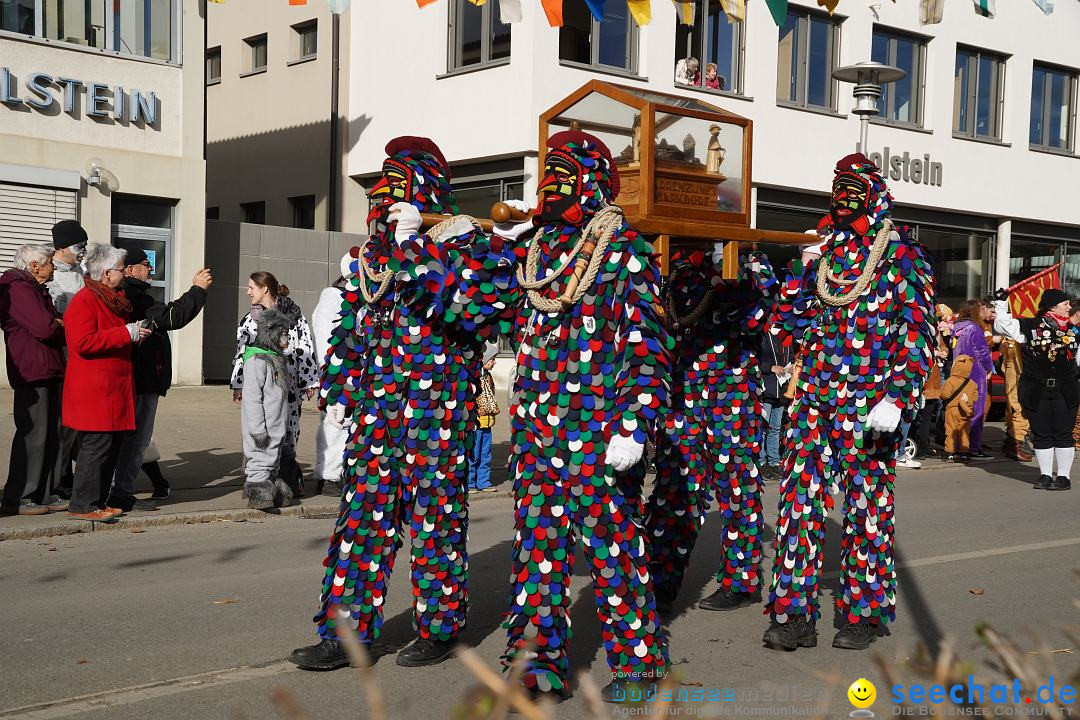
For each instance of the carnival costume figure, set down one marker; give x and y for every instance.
(591, 376)
(862, 315)
(709, 438)
(403, 374)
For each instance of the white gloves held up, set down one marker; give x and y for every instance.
(623, 452)
(884, 417)
(408, 221)
(336, 415)
(513, 230)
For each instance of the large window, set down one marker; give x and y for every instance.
(809, 45)
(1053, 105)
(305, 41)
(254, 212)
(213, 66)
(978, 83)
(715, 44)
(609, 44)
(478, 35)
(901, 101)
(256, 49)
(146, 28)
(303, 211)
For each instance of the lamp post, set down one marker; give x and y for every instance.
(868, 78)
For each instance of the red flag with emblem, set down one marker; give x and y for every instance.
(1024, 296)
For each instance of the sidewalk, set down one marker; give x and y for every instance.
(198, 433)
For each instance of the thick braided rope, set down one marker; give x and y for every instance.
(695, 314)
(603, 227)
(866, 274)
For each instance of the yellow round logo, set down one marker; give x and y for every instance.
(862, 693)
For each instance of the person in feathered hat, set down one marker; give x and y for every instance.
(590, 380)
(401, 373)
(863, 317)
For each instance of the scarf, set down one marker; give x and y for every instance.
(114, 300)
(1061, 320)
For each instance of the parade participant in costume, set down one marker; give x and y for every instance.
(863, 316)
(591, 375)
(710, 436)
(403, 377)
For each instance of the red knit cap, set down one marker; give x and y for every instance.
(421, 144)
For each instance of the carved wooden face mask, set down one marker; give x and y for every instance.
(394, 186)
(560, 189)
(850, 205)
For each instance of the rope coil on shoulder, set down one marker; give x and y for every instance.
(859, 285)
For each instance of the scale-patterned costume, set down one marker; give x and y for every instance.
(595, 370)
(876, 347)
(709, 438)
(407, 372)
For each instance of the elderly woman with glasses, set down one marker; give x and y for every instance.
(34, 337)
(99, 394)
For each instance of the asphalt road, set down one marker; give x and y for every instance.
(195, 621)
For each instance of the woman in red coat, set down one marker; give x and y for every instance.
(99, 396)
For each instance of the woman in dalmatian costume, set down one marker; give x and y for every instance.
(710, 438)
(862, 316)
(591, 376)
(403, 375)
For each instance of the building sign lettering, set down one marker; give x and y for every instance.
(686, 192)
(102, 100)
(904, 167)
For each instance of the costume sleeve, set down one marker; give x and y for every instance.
(644, 346)
(756, 313)
(916, 330)
(324, 319)
(255, 380)
(304, 357)
(795, 305)
(245, 332)
(344, 355)
(179, 312)
(1005, 323)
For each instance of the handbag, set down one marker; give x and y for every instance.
(486, 404)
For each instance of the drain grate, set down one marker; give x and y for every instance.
(319, 516)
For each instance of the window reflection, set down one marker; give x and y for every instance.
(17, 16)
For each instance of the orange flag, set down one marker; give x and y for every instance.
(553, 10)
(422, 3)
(298, 2)
(1024, 296)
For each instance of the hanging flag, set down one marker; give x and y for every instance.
(986, 8)
(553, 10)
(684, 11)
(478, 2)
(298, 2)
(338, 6)
(641, 10)
(778, 8)
(1024, 296)
(510, 11)
(1046, 6)
(830, 5)
(596, 7)
(422, 3)
(931, 11)
(734, 9)
(219, 2)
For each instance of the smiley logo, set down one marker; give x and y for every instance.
(862, 694)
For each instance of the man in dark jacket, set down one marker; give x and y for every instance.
(152, 367)
(776, 369)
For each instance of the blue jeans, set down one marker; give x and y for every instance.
(904, 429)
(774, 419)
(480, 460)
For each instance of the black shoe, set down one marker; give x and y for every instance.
(665, 603)
(797, 633)
(856, 636)
(1045, 482)
(729, 600)
(330, 488)
(633, 691)
(980, 456)
(425, 651)
(1061, 483)
(536, 696)
(326, 655)
(161, 493)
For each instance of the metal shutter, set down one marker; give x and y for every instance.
(27, 214)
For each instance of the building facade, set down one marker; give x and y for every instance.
(979, 139)
(101, 120)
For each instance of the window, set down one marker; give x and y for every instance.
(256, 47)
(213, 66)
(143, 27)
(77, 22)
(146, 28)
(305, 41)
(607, 44)
(711, 40)
(303, 212)
(901, 101)
(1053, 104)
(478, 35)
(977, 100)
(254, 212)
(809, 44)
(213, 213)
(18, 16)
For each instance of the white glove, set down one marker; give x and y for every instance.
(513, 230)
(623, 452)
(336, 415)
(718, 254)
(884, 417)
(408, 221)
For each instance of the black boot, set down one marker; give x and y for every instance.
(1045, 482)
(797, 633)
(627, 690)
(856, 636)
(665, 603)
(326, 655)
(161, 485)
(729, 600)
(425, 651)
(1061, 483)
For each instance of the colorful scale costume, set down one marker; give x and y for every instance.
(407, 372)
(872, 346)
(710, 437)
(594, 370)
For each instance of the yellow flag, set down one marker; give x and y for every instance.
(478, 2)
(219, 2)
(641, 10)
(685, 11)
(734, 9)
(829, 5)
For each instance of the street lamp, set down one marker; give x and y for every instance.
(868, 78)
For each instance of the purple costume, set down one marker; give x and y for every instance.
(971, 340)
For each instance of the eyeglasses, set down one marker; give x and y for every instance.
(119, 270)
